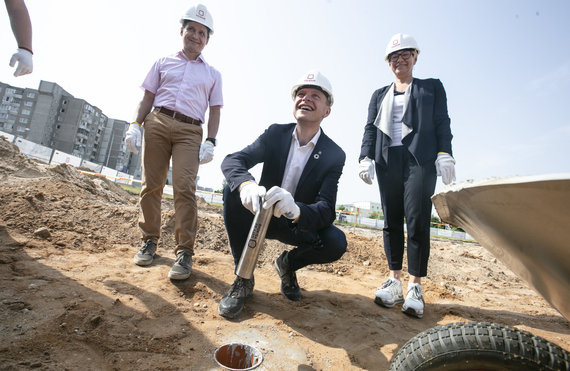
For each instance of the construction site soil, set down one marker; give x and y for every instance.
(72, 299)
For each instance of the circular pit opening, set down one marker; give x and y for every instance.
(237, 356)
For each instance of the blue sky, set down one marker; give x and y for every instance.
(505, 66)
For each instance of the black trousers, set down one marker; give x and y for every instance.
(405, 191)
(316, 247)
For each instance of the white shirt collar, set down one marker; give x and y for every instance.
(312, 142)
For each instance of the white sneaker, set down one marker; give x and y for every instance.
(414, 304)
(390, 293)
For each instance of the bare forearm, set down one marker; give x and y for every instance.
(144, 107)
(20, 22)
(213, 121)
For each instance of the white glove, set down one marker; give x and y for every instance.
(24, 60)
(133, 138)
(445, 166)
(366, 170)
(250, 194)
(284, 203)
(206, 152)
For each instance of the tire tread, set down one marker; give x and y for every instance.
(470, 342)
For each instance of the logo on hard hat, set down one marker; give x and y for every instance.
(200, 13)
(310, 77)
(396, 43)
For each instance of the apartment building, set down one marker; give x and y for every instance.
(365, 208)
(52, 117)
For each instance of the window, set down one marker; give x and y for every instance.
(20, 129)
(11, 91)
(24, 120)
(62, 110)
(26, 112)
(58, 126)
(28, 104)
(31, 95)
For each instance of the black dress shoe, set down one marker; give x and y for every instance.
(289, 286)
(232, 302)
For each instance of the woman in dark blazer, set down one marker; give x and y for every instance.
(407, 142)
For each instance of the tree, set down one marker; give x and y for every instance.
(224, 183)
(436, 222)
(375, 215)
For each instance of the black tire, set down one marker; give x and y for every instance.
(479, 346)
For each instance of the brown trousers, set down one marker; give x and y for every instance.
(166, 138)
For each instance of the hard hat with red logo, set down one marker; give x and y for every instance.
(400, 41)
(314, 79)
(199, 14)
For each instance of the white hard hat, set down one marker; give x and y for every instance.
(314, 79)
(400, 41)
(199, 14)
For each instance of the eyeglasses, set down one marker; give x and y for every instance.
(393, 58)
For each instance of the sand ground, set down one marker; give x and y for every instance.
(72, 298)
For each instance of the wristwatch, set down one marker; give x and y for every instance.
(211, 140)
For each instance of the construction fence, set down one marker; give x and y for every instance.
(54, 157)
(356, 219)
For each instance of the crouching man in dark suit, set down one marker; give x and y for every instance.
(301, 169)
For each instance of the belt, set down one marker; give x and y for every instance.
(177, 116)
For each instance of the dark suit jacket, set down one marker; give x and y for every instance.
(427, 113)
(317, 188)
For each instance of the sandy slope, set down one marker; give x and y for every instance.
(72, 299)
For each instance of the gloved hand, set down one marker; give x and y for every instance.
(250, 193)
(284, 203)
(445, 166)
(133, 138)
(206, 152)
(24, 60)
(366, 170)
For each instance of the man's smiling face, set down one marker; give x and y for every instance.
(311, 105)
(195, 37)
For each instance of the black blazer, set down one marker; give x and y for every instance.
(427, 113)
(317, 188)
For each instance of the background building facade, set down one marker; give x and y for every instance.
(52, 117)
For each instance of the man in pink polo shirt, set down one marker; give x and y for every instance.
(180, 87)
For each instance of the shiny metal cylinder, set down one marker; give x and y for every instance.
(254, 242)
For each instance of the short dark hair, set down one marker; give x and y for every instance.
(188, 20)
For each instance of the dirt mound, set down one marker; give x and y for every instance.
(71, 297)
(12, 162)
